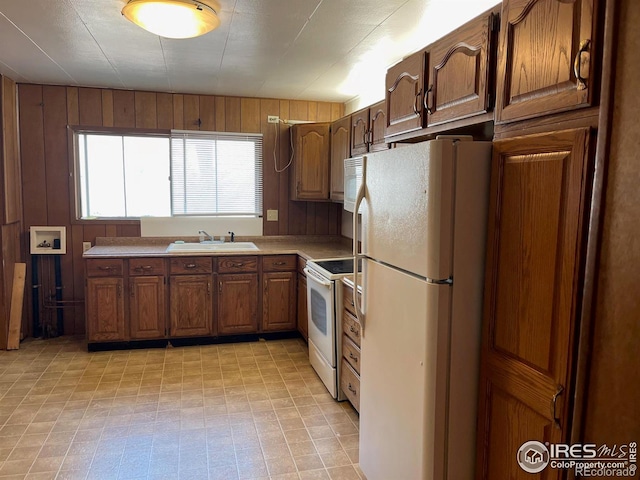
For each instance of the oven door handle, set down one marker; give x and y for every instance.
(316, 277)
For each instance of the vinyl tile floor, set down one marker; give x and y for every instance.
(236, 411)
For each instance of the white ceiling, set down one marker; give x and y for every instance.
(331, 50)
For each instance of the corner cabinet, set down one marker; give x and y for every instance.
(460, 84)
(279, 293)
(539, 194)
(105, 301)
(191, 312)
(545, 58)
(340, 149)
(310, 168)
(404, 94)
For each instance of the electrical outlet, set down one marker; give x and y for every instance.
(272, 215)
(273, 119)
(86, 246)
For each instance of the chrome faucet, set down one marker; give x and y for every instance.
(202, 232)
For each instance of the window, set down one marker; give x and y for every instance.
(217, 174)
(182, 173)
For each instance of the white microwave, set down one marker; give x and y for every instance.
(352, 181)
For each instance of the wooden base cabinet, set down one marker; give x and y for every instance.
(237, 303)
(191, 306)
(279, 301)
(534, 243)
(105, 309)
(147, 307)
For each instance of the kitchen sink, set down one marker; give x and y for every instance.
(210, 247)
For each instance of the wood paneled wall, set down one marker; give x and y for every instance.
(613, 393)
(46, 111)
(10, 199)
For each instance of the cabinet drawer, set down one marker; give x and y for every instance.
(278, 263)
(190, 265)
(237, 264)
(351, 353)
(146, 266)
(105, 267)
(351, 327)
(350, 384)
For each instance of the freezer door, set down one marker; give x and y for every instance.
(408, 208)
(404, 372)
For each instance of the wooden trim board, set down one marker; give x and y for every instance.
(17, 296)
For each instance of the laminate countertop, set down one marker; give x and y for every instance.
(308, 247)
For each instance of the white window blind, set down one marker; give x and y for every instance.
(215, 173)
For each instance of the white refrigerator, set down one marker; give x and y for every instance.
(424, 212)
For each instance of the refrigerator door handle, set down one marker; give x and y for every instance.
(356, 256)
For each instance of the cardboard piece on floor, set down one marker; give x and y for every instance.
(15, 315)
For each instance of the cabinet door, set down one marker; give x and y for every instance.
(459, 75)
(279, 301)
(311, 162)
(191, 305)
(303, 319)
(105, 309)
(531, 296)
(237, 303)
(377, 127)
(544, 59)
(404, 83)
(340, 149)
(360, 132)
(147, 307)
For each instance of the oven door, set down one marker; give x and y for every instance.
(321, 297)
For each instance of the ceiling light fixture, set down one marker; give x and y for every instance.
(173, 18)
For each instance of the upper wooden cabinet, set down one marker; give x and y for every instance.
(368, 128)
(377, 126)
(404, 90)
(460, 76)
(310, 168)
(340, 149)
(544, 58)
(360, 132)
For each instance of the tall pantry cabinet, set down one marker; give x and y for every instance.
(542, 171)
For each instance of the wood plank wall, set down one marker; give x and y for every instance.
(10, 199)
(45, 112)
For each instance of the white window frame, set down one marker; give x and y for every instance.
(77, 193)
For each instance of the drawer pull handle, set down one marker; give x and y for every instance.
(353, 304)
(351, 389)
(354, 330)
(144, 267)
(238, 264)
(190, 265)
(279, 263)
(353, 357)
(107, 268)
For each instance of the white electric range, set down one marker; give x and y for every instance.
(324, 304)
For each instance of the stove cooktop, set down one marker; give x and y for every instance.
(339, 266)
